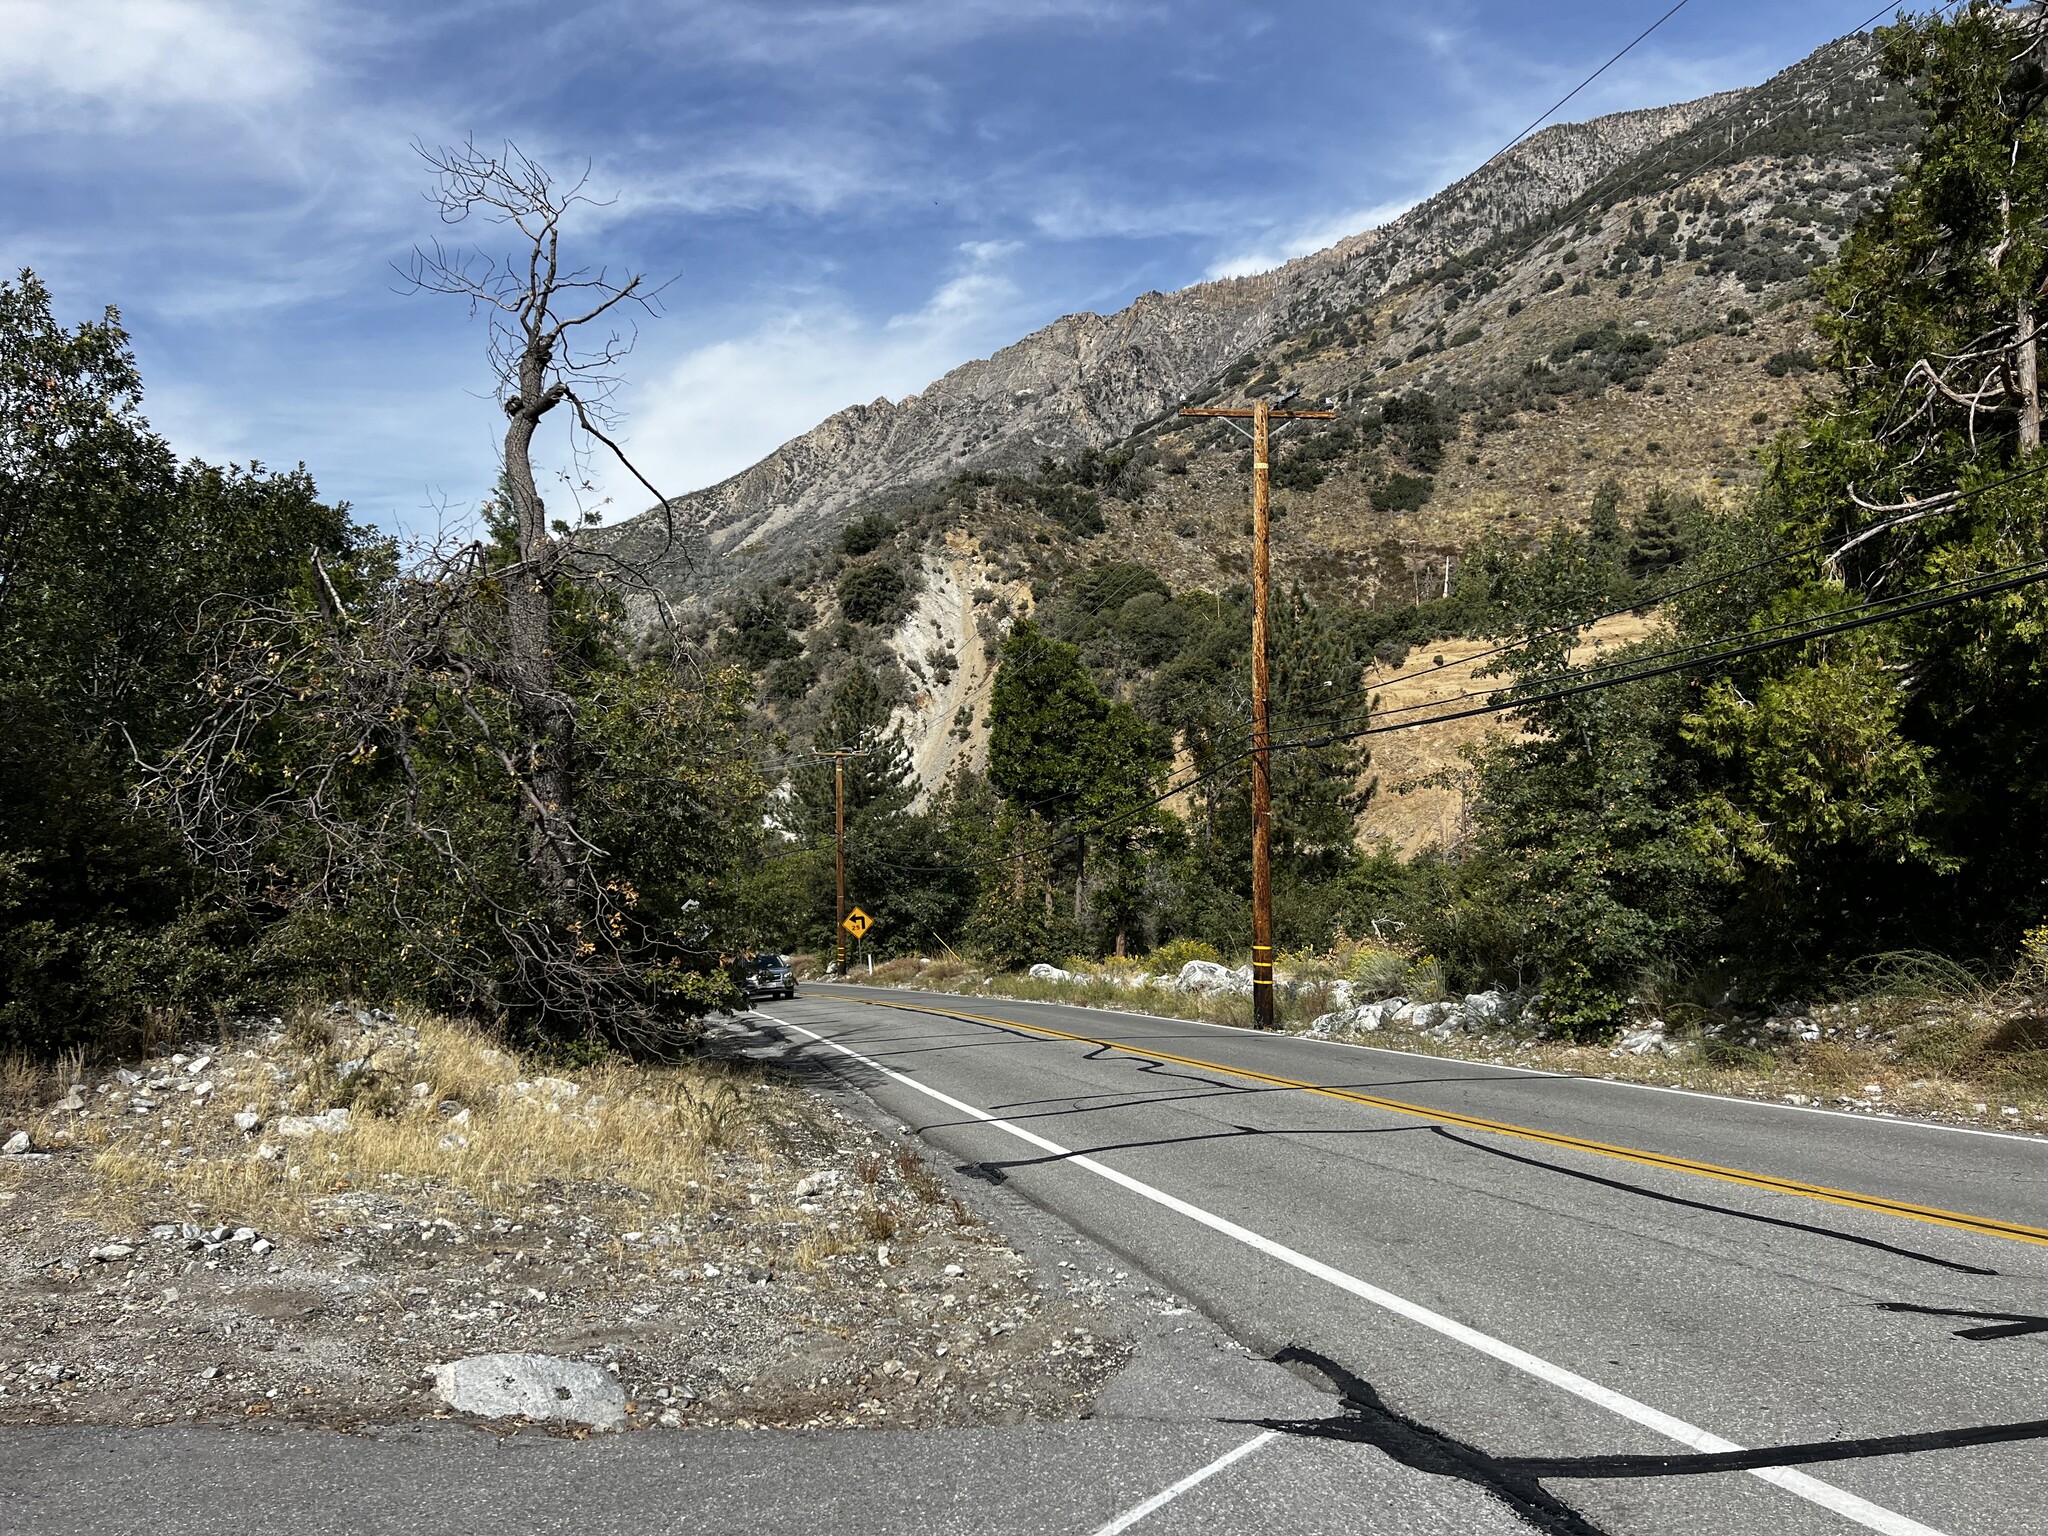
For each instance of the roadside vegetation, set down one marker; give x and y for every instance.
(260, 754)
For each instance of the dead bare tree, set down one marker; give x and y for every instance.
(554, 341)
(386, 749)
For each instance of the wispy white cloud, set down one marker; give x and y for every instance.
(779, 34)
(125, 58)
(722, 406)
(1277, 247)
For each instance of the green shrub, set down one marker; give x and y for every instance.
(1172, 956)
(871, 594)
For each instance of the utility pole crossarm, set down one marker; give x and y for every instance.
(1247, 412)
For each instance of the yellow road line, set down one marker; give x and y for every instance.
(1983, 1226)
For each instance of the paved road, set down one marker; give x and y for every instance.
(1487, 1302)
(1589, 1335)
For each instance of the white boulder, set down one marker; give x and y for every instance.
(532, 1387)
(1044, 972)
(1208, 976)
(324, 1124)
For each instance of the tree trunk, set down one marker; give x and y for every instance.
(546, 722)
(1120, 940)
(2029, 386)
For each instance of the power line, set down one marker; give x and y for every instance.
(1548, 112)
(1506, 701)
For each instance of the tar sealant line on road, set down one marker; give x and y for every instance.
(1503, 1066)
(1850, 1506)
(1166, 1496)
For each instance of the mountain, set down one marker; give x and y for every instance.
(1624, 298)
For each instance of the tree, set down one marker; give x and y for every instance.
(903, 866)
(1935, 299)
(1657, 538)
(1604, 529)
(114, 562)
(872, 593)
(540, 307)
(445, 767)
(1060, 751)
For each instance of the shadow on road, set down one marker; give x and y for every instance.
(995, 1172)
(1362, 1419)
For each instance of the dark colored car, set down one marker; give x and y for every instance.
(766, 976)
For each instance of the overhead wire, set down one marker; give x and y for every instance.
(1508, 700)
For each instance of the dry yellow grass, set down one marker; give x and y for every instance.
(1424, 774)
(438, 1105)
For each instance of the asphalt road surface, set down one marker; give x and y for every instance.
(1587, 1299)
(1477, 1301)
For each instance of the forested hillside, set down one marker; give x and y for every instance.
(1697, 478)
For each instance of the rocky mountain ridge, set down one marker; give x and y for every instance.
(1087, 379)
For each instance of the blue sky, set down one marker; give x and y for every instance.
(848, 198)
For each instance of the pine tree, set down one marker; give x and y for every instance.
(1657, 540)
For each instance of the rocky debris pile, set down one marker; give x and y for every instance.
(1211, 979)
(1130, 980)
(818, 1274)
(1479, 1013)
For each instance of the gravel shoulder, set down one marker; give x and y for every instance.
(296, 1222)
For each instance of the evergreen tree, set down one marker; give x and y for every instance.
(1604, 531)
(903, 867)
(1657, 538)
(1060, 751)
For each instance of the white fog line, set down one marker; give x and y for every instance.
(1485, 1067)
(1850, 1506)
(1166, 1496)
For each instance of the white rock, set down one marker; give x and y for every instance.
(72, 1101)
(532, 1387)
(194, 1068)
(1486, 1010)
(1345, 1021)
(248, 1120)
(1208, 976)
(955, 1269)
(15, 1145)
(269, 1153)
(263, 1247)
(107, 1251)
(128, 1078)
(815, 1183)
(313, 1125)
(1044, 972)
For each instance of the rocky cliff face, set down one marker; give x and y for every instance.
(1088, 379)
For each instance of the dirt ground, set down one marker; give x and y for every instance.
(188, 1239)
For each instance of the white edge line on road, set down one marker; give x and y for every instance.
(1166, 1496)
(1848, 1505)
(1502, 1066)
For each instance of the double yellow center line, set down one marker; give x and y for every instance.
(1982, 1226)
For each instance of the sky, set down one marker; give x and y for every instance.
(843, 200)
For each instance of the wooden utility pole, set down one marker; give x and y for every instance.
(1261, 415)
(839, 758)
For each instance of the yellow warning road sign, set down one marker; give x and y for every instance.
(858, 923)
